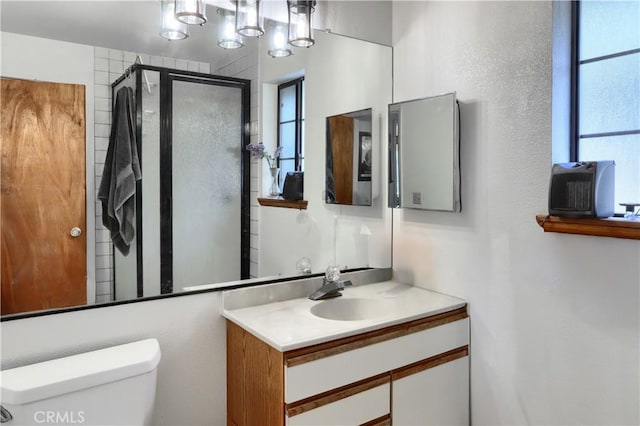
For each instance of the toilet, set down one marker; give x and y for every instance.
(111, 386)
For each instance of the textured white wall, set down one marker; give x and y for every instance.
(362, 19)
(554, 318)
(191, 388)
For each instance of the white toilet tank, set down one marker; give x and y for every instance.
(112, 386)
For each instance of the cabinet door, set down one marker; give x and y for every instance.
(435, 396)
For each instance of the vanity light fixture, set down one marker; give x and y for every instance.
(300, 29)
(249, 20)
(192, 12)
(228, 38)
(278, 47)
(171, 28)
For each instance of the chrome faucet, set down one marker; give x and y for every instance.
(331, 285)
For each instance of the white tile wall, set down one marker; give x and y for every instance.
(102, 298)
(101, 64)
(102, 129)
(168, 62)
(101, 116)
(102, 105)
(104, 262)
(102, 126)
(193, 66)
(156, 61)
(101, 77)
(102, 143)
(100, 52)
(130, 57)
(182, 64)
(109, 65)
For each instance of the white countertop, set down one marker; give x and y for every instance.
(289, 324)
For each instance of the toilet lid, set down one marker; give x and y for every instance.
(48, 379)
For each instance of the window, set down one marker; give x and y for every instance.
(290, 126)
(606, 90)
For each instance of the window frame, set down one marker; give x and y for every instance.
(299, 121)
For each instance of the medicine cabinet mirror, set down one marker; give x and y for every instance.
(424, 154)
(349, 158)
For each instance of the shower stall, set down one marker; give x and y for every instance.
(192, 202)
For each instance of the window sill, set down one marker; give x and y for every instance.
(279, 202)
(611, 227)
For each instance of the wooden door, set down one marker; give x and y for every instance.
(341, 130)
(43, 195)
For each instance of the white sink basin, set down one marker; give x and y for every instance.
(351, 309)
(288, 323)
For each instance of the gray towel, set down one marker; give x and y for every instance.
(121, 171)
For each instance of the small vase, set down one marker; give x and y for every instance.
(274, 191)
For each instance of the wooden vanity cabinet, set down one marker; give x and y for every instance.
(411, 373)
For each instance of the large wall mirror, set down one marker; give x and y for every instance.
(349, 158)
(424, 147)
(40, 42)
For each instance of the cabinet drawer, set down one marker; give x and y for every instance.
(355, 409)
(321, 375)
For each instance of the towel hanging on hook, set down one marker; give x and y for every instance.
(121, 172)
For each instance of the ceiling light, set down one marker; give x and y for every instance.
(172, 29)
(278, 47)
(300, 29)
(227, 36)
(192, 12)
(249, 18)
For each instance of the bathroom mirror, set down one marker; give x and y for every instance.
(349, 159)
(356, 240)
(424, 154)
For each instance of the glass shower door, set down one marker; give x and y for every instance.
(206, 182)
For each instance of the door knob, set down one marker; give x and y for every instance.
(75, 232)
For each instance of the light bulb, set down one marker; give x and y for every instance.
(172, 29)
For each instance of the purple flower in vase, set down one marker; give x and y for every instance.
(258, 151)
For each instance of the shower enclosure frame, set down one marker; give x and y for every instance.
(167, 76)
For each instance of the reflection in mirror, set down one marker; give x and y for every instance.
(191, 128)
(349, 158)
(424, 149)
(327, 234)
(32, 50)
(49, 112)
